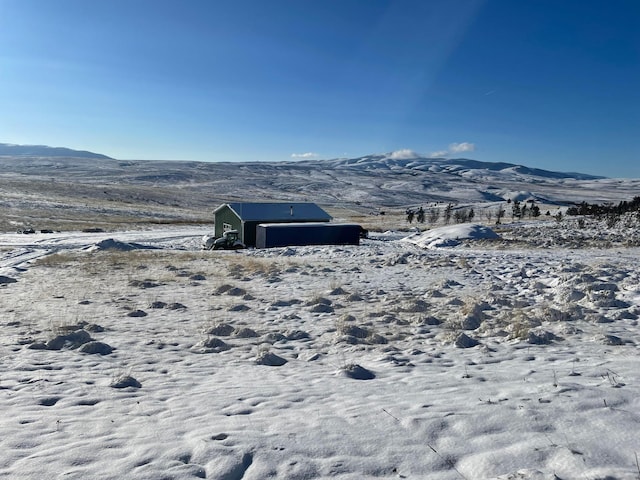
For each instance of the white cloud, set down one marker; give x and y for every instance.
(461, 147)
(454, 149)
(439, 154)
(403, 154)
(304, 155)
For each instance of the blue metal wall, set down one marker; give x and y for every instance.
(298, 234)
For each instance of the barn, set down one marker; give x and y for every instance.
(245, 217)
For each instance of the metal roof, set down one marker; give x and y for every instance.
(276, 212)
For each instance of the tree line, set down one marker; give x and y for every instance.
(609, 212)
(463, 215)
(604, 209)
(433, 215)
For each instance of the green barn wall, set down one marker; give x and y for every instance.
(226, 215)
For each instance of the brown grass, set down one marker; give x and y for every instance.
(56, 259)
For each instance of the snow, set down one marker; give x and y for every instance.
(321, 362)
(453, 235)
(111, 244)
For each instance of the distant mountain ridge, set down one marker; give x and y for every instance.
(363, 184)
(458, 166)
(381, 162)
(10, 149)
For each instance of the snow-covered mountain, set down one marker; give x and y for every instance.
(458, 166)
(46, 151)
(51, 186)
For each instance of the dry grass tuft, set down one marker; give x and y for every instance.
(240, 266)
(56, 259)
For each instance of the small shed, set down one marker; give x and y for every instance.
(245, 217)
(271, 235)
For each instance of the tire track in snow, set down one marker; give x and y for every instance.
(17, 251)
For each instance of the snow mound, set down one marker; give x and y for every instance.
(112, 244)
(357, 372)
(451, 236)
(519, 196)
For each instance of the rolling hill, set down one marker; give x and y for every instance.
(46, 151)
(35, 188)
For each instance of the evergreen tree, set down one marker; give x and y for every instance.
(447, 213)
(410, 216)
(516, 211)
(535, 211)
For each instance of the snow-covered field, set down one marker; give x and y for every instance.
(509, 358)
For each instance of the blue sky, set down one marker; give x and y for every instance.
(546, 83)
